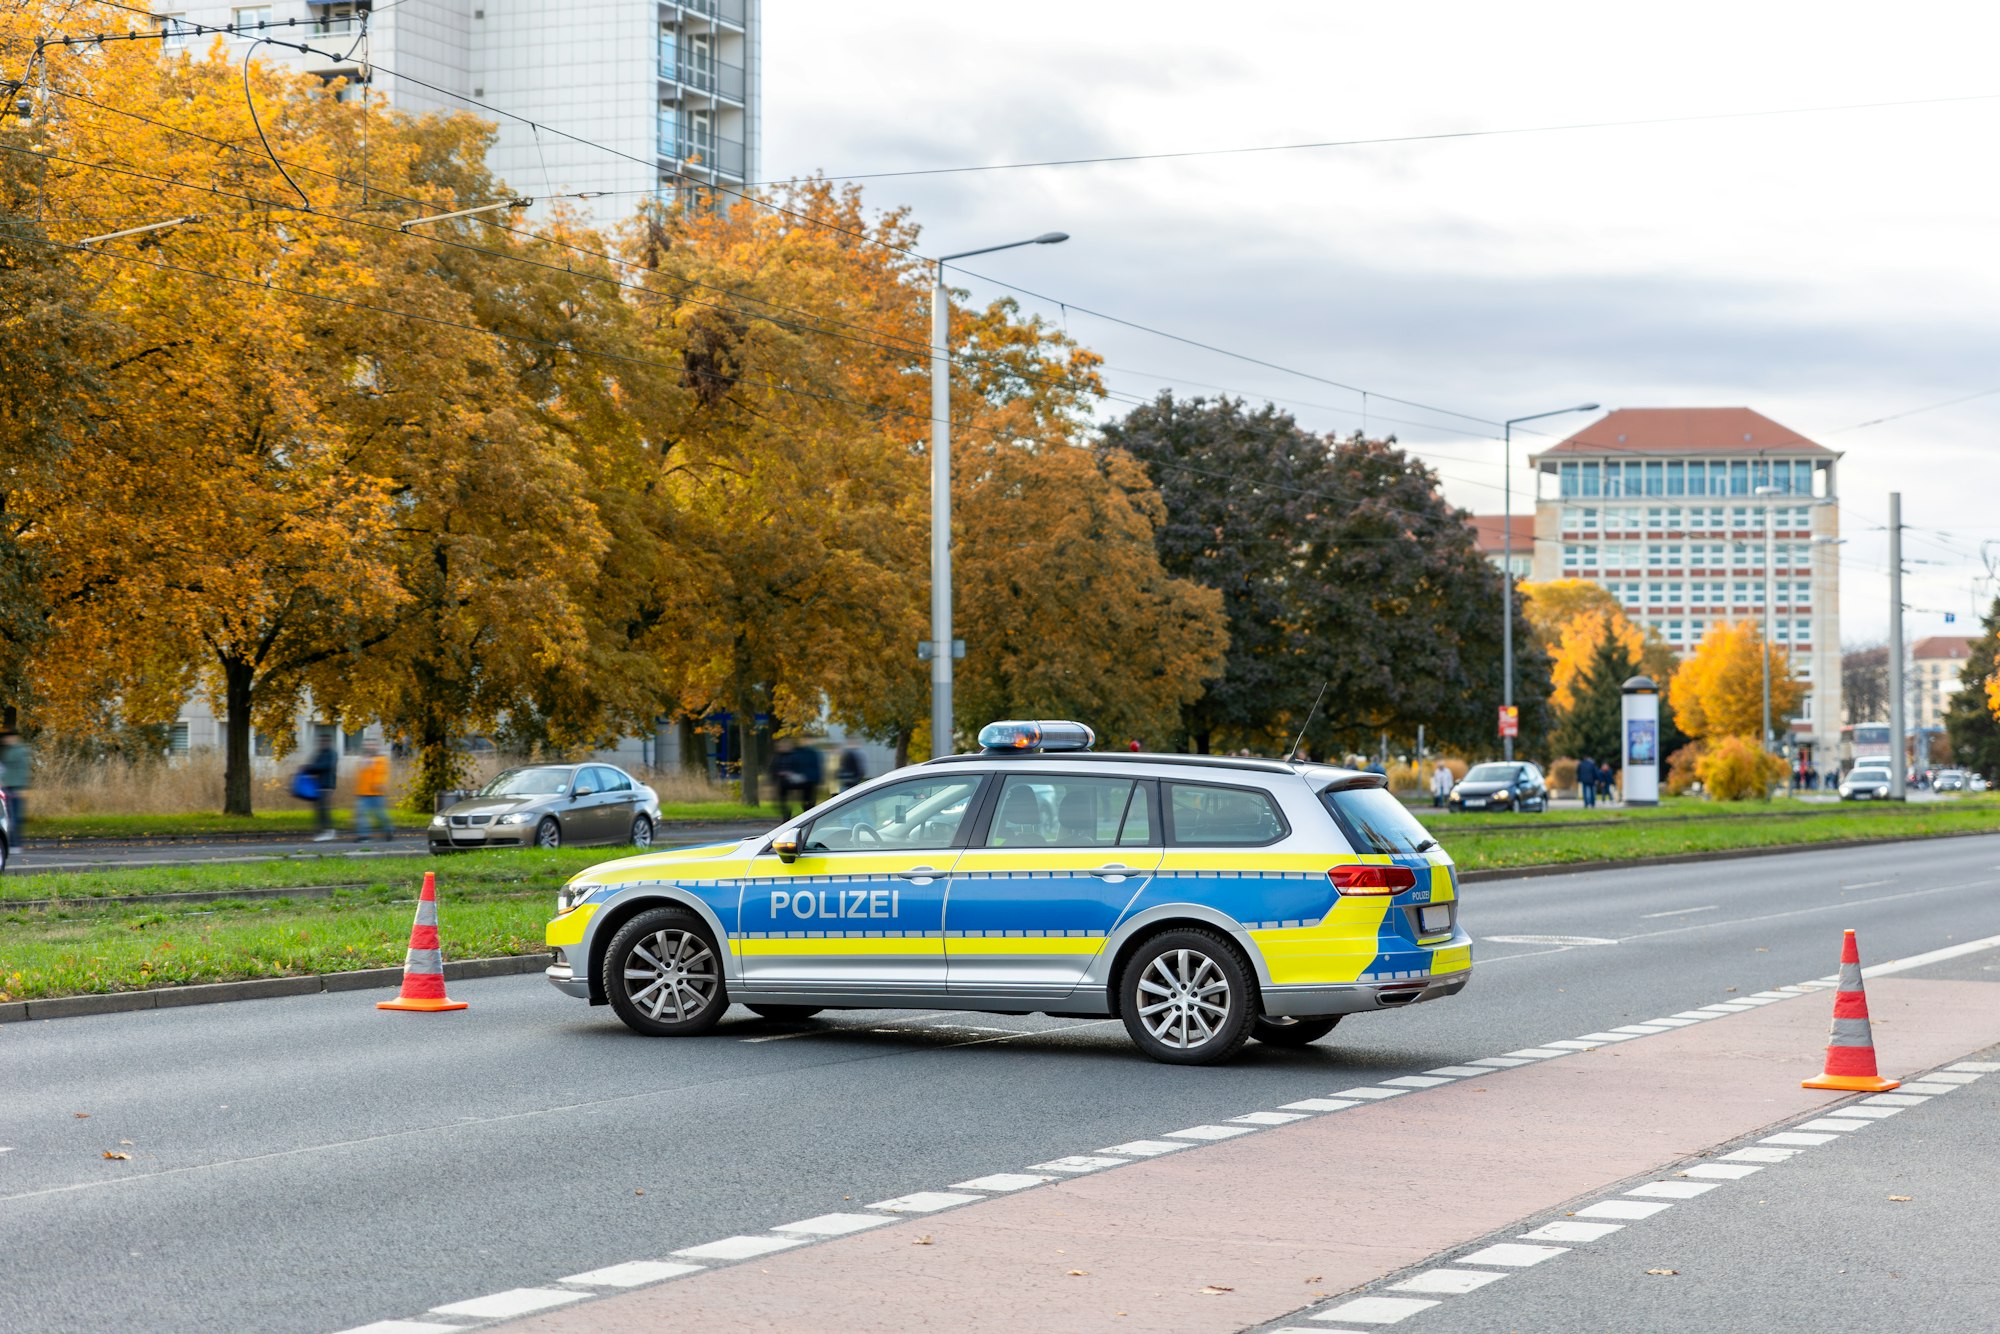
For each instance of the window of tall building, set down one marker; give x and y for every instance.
(1739, 479)
(245, 17)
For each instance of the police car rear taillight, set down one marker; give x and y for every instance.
(1372, 879)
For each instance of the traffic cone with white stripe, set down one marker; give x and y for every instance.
(423, 966)
(1850, 1049)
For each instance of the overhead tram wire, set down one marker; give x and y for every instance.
(861, 237)
(918, 348)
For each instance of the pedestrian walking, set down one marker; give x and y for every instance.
(798, 770)
(371, 794)
(17, 774)
(315, 784)
(852, 773)
(1586, 779)
(1441, 785)
(1607, 774)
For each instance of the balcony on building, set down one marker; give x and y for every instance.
(700, 72)
(695, 153)
(728, 12)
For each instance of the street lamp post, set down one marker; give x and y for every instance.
(1507, 558)
(941, 641)
(1766, 492)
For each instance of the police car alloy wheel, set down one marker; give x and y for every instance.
(1278, 1031)
(642, 832)
(1186, 998)
(548, 834)
(662, 975)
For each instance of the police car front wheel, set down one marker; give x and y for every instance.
(663, 977)
(1186, 998)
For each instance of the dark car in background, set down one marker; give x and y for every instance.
(1503, 785)
(549, 805)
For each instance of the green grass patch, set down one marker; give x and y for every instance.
(496, 903)
(1521, 844)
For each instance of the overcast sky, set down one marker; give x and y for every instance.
(1826, 269)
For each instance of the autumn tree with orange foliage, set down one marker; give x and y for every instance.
(1719, 689)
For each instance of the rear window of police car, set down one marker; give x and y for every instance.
(1374, 821)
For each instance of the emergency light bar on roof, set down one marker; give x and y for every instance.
(1018, 738)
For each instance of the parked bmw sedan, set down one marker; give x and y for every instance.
(1501, 786)
(548, 805)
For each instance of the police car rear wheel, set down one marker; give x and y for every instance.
(785, 1014)
(1186, 998)
(1281, 1031)
(663, 977)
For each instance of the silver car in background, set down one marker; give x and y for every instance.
(549, 805)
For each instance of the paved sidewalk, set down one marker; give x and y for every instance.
(1241, 1233)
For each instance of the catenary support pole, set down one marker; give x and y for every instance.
(1898, 770)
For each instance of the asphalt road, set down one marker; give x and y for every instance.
(311, 1164)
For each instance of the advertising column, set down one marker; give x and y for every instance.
(1640, 747)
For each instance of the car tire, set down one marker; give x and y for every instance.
(1276, 1031)
(786, 1014)
(663, 975)
(1205, 992)
(548, 834)
(642, 831)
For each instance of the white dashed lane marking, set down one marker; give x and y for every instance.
(738, 1248)
(1679, 912)
(1449, 1281)
(1626, 1209)
(1152, 1148)
(1082, 1162)
(921, 1202)
(1513, 1256)
(834, 1225)
(1672, 1190)
(513, 1302)
(1002, 1182)
(631, 1274)
(1377, 1310)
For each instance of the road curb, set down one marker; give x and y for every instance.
(256, 988)
(1689, 858)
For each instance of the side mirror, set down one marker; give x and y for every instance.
(582, 792)
(786, 848)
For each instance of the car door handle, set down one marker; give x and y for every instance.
(919, 873)
(1114, 871)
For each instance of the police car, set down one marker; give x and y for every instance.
(1203, 901)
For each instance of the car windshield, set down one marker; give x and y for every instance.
(1494, 773)
(1374, 821)
(536, 782)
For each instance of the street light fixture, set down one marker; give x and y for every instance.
(1507, 558)
(941, 641)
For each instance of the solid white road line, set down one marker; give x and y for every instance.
(1935, 956)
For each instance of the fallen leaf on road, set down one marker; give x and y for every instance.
(81, 1116)
(1215, 1290)
(638, 1192)
(924, 1240)
(1663, 1271)
(1079, 1273)
(1729, 988)
(113, 1153)
(126, 1142)
(1900, 1199)
(1313, 1279)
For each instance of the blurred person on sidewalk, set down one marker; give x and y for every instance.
(324, 767)
(1586, 779)
(852, 772)
(371, 795)
(17, 774)
(1441, 785)
(798, 769)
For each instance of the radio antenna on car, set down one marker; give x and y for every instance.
(1311, 713)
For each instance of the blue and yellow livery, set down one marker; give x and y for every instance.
(1204, 901)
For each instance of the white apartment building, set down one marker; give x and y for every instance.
(622, 98)
(1667, 509)
(1935, 664)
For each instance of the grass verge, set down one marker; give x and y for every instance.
(496, 903)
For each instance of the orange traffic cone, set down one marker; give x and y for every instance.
(423, 966)
(1850, 1049)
